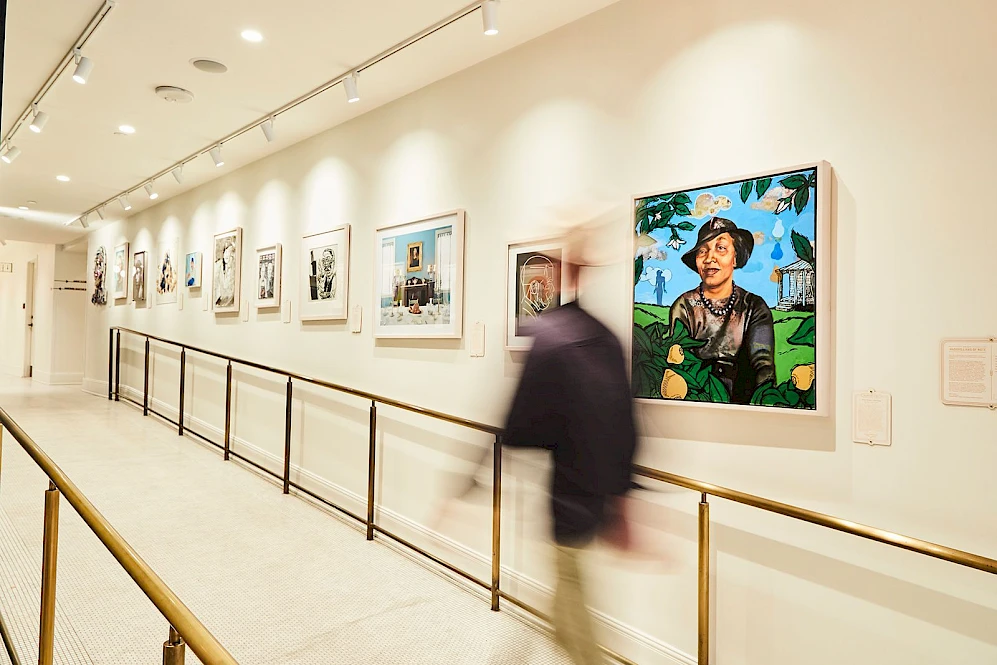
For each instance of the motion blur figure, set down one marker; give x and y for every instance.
(574, 400)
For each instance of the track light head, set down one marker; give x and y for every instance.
(268, 130)
(350, 84)
(12, 153)
(3, 243)
(489, 16)
(151, 192)
(178, 174)
(216, 155)
(125, 203)
(38, 123)
(84, 66)
(83, 220)
(100, 213)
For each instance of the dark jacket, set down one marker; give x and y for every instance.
(574, 400)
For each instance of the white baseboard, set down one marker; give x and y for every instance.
(12, 370)
(59, 378)
(622, 638)
(96, 387)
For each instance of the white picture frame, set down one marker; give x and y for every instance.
(535, 283)
(420, 304)
(120, 271)
(325, 275)
(193, 270)
(268, 269)
(226, 266)
(168, 273)
(140, 276)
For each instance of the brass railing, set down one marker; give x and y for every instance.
(705, 490)
(184, 626)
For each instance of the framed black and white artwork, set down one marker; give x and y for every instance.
(226, 261)
(139, 276)
(325, 273)
(119, 280)
(268, 276)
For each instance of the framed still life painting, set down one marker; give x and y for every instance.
(325, 264)
(119, 285)
(167, 274)
(419, 276)
(731, 292)
(192, 270)
(268, 276)
(138, 277)
(535, 285)
(227, 260)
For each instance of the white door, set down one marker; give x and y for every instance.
(29, 320)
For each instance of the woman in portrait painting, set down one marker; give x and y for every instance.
(736, 325)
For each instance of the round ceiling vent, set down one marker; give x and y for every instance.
(209, 66)
(174, 94)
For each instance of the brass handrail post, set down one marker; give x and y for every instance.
(183, 377)
(173, 649)
(704, 580)
(370, 470)
(496, 522)
(110, 358)
(145, 395)
(228, 408)
(287, 436)
(50, 553)
(117, 365)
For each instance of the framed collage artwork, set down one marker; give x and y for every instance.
(268, 276)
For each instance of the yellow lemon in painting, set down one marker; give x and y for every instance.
(673, 386)
(676, 356)
(803, 377)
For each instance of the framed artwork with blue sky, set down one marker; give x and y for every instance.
(731, 292)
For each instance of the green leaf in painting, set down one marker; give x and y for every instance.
(805, 333)
(804, 250)
(746, 190)
(762, 186)
(717, 390)
(682, 199)
(638, 269)
(813, 179)
(682, 209)
(687, 226)
(802, 197)
(793, 181)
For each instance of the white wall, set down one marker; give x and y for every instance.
(641, 96)
(13, 295)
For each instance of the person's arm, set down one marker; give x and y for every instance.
(760, 340)
(531, 419)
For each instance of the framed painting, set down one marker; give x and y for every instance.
(138, 276)
(426, 302)
(325, 263)
(99, 296)
(268, 276)
(227, 259)
(731, 292)
(535, 284)
(167, 274)
(192, 270)
(119, 284)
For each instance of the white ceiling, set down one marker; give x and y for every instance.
(143, 44)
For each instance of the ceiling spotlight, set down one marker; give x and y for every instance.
(62, 178)
(350, 83)
(178, 174)
(126, 129)
(83, 220)
(252, 36)
(100, 213)
(216, 155)
(125, 203)
(38, 123)
(23, 208)
(3, 243)
(267, 128)
(151, 192)
(69, 222)
(12, 153)
(489, 16)
(84, 66)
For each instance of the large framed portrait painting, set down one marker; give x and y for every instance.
(731, 292)
(325, 261)
(419, 277)
(227, 264)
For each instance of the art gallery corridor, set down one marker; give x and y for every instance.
(276, 579)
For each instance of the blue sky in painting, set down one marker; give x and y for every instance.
(755, 276)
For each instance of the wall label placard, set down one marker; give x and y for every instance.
(968, 368)
(6, 267)
(872, 418)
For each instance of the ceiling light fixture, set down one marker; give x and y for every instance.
(151, 192)
(12, 153)
(267, 128)
(125, 203)
(3, 243)
(489, 16)
(216, 155)
(62, 178)
(178, 174)
(38, 123)
(84, 66)
(23, 208)
(350, 83)
(252, 36)
(126, 129)
(100, 213)
(83, 220)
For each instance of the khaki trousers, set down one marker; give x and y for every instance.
(573, 626)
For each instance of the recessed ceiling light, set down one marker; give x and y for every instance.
(23, 208)
(62, 178)
(126, 129)
(252, 36)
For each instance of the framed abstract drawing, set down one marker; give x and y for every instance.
(192, 270)
(419, 278)
(139, 276)
(268, 276)
(167, 274)
(119, 285)
(227, 260)
(535, 285)
(732, 292)
(325, 265)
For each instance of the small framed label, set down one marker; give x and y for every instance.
(872, 418)
(6, 267)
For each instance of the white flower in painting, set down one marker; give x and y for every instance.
(675, 243)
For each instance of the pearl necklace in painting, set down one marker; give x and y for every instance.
(724, 311)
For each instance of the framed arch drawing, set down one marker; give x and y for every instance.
(535, 285)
